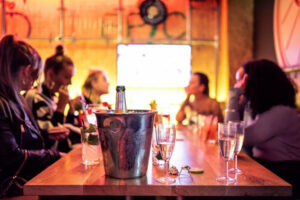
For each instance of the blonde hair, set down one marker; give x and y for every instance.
(87, 87)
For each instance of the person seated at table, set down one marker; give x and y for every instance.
(22, 149)
(95, 85)
(238, 107)
(47, 108)
(202, 103)
(275, 132)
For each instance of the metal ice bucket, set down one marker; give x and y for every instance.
(126, 141)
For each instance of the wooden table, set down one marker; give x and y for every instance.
(68, 176)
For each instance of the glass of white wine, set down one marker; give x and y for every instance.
(239, 129)
(165, 137)
(226, 139)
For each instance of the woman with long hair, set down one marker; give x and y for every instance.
(274, 135)
(22, 150)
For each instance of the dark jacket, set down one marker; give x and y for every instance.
(20, 139)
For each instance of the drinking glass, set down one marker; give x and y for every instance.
(156, 156)
(90, 145)
(239, 129)
(165, 136)
(90, 110)
(226, 144)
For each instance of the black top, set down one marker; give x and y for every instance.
(87, 100)
(20, 139)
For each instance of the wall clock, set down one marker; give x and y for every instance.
(287, 32)
(153, 12)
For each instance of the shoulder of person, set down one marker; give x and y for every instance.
(32, 93)
(280, 112)
(35, 95)
(282, 109)
(212, 101)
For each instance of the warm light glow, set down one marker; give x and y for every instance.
(91, 33)
(154, 65)
(223, 83)
(168, 100)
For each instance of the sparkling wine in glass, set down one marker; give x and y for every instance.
(226, 144)
(239, 129)
(166, 150)
(156, 155)
(166, 136)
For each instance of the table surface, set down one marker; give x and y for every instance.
(68, 176)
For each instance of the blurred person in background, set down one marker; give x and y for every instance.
(274, 133)
(49, 102)
(95, 85)
(201, 103)
(22, 150)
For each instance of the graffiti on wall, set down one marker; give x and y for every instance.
(13, 16)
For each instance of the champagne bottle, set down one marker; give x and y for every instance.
(120, 100)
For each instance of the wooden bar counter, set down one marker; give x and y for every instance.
(68, 176)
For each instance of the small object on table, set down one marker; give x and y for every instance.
(153, 105)
(90, 145)
(192, 170)
(173, 171)
(186, 167)
(195, 170)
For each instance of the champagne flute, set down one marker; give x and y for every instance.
(239, 128)
(156, 156)
(166, 135)
(226, 145)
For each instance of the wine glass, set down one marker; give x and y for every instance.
(239, 128)
(165, 136)
(226, 145)
(156, 156)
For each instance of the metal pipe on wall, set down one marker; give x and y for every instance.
(188, 22)
(120, 13)
(217, 48)
(3, 18)
(62, 19)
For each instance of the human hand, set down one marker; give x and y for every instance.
(63, 98)
(77, 102)
(187, 91)
(58, 133)
(62, 154)
(188, 95)
(242, 83)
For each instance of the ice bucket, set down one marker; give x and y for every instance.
(126, 141)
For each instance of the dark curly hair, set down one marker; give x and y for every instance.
(267, 86)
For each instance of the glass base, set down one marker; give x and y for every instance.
(90, 162)
(166, 180)
(235, 171)
(225, 179)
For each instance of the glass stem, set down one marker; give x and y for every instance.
(235, 161)
(166, 167)
(226, 169)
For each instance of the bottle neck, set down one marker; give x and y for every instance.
(121, 103)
